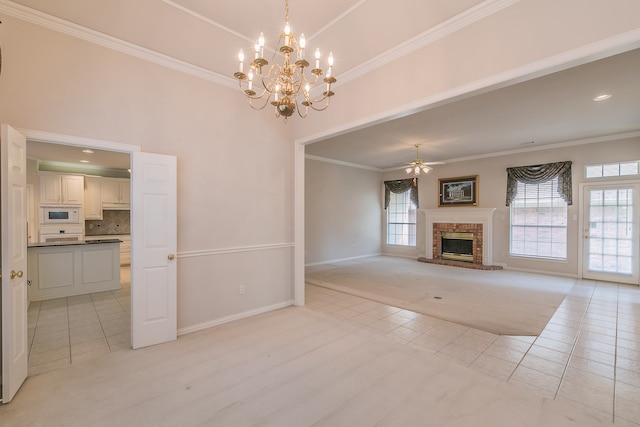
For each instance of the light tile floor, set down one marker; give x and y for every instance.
(588, 355)
(64, 331)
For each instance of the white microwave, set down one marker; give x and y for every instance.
(59, 215)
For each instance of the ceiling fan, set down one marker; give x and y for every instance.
(418, 166)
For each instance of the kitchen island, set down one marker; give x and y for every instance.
(63, 269)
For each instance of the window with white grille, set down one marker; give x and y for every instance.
(605, 170)
(539, 221)
(401, 220)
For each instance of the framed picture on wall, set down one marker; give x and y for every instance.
(460, 191)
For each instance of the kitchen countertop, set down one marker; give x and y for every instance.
(81, 242)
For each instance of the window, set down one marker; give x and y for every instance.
(401, 220)
(604, 170)
(539, 221)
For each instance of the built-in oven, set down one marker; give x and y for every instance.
(62, 233)
(60, 215)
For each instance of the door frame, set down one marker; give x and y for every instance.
(54, 138)
(582, 215)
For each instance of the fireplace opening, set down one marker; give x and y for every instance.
(457, 246)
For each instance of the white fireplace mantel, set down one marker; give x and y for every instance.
(452, 215)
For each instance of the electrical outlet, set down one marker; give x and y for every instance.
(242, 290)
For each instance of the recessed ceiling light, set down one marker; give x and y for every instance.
(602, 97)
(86, 150)
(84, 161)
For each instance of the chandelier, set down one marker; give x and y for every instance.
(288, 85)
(417, 166)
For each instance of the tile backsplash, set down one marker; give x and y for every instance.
(113, 222)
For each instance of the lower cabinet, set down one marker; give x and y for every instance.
(66, 270)
(125, 246)
(125, 250)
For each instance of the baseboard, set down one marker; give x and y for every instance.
(341, 259)
(217, 322)
(408, 256)
(546, 273)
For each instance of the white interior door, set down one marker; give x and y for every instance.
(153, 249)
(610, 232)
(13, 155)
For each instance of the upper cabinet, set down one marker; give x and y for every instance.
(115, 193)
(56, 189)
(92, 198)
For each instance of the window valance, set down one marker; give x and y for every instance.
(536, 174)
(400, 186)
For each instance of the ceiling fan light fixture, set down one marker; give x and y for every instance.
(417, 165)
(287, 85)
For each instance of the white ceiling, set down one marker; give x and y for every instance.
(557, 108)
(208, 34)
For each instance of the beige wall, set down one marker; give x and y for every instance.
(492, 186)
(325, 246)
(234, 181)
(342, 212)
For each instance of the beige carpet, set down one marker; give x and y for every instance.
(502, 302)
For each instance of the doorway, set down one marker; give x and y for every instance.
(610, 244)
(154, 272)
(71, 329)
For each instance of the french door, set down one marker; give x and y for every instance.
(610, 234)
(13, 233)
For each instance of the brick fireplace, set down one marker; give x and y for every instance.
(477, 221)
(441, 228)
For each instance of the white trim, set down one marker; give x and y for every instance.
(298, 224)
(337, 19)
(546, 273)
(399, 255)
(78, 141)
(69, 28)
(343, 259)
(212, 252)
(233, 318)
(572, 143)
(207, 20)
(341, 163)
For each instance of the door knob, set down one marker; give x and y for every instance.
(14, 274)
(171, 257)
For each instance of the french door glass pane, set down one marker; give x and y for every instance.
(611, 231)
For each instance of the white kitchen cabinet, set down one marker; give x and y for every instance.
(125, 245)
(92, 198)
(56, 189)
(65, 270)
(115, 193)
(125, 249)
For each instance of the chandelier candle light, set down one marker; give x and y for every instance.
(286, 86)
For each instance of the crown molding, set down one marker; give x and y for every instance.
(78, 31)
(341, 163)
(449, 26)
